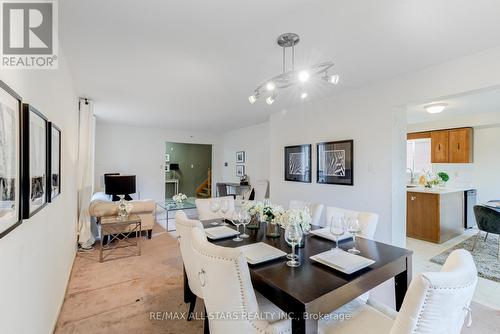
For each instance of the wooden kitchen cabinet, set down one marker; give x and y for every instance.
(439, 146)
(460, 145)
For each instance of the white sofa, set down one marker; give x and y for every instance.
(101, 205)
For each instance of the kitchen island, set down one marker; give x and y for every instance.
(434, 214)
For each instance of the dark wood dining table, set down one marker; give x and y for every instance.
(313, 289)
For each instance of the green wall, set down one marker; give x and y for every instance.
(194, 161)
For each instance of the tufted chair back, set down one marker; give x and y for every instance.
(184, 227)
(316, 209)
(225, 280)
(203, 207)
(438, 302)
(367, 220)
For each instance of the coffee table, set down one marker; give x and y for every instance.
(119, 230)
(171, 206)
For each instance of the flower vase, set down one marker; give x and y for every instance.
(272, 229)
(254, 223)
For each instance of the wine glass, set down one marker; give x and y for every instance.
(245, 220)
(214, 207)
(237, 220)
(354, 228)
(337, 228)
(293, 236)
(224, 207)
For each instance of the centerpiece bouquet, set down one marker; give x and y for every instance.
(301, 217)
(254, 209)
(179, 198)
(272, 215)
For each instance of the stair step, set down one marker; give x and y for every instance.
(205, 195)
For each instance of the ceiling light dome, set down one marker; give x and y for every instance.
(289, 76)
(435, 108)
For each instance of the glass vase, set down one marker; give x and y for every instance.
(272, 229)
(254, 223)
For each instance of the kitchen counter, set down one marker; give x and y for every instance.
(436, 190)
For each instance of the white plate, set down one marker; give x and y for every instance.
(342, 261)
(325, 233)
(261, 252)
(220, 232)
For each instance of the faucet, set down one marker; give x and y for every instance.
(412, 175)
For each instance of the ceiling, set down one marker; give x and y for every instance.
(472, 103)
(192, 64)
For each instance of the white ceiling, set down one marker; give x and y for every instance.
(192, 64)
(473, 103)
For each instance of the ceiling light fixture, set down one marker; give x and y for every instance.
(290, 77)
(435, 108)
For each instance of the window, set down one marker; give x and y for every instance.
(418, 155)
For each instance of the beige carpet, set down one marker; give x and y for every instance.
(119, 296)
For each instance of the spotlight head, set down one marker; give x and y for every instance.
(304, 76)
(334, 79)
(270, 86)
(252, 99)
(303, 95)
(270, 100)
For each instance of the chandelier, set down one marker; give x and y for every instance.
(286, 79)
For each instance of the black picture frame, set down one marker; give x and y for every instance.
(335, 162)
(240, 170)
(298, 163)
(11, 187)
(34, 186)
(53, 158)
(240, 157)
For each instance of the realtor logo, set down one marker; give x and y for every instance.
(29, 34)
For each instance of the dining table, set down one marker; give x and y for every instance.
(312, 290)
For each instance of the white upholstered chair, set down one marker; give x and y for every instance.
(184, 227)
(227, 288)
(203, 207)
(367, 220)
(435, 303)
(260, 188)
(316, 209)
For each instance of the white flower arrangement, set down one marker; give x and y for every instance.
(253, 208)
(179, 198)
(296, 216)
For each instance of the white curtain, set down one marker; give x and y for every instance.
(86, 144)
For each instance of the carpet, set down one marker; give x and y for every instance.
(485, 256)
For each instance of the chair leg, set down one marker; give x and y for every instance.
(475, 241)
(192, 304)
(486, 237)
(206, 326)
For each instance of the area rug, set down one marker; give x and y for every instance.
(485, 255)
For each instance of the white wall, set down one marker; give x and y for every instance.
(254, 140)
(141, 151)
(36, 257)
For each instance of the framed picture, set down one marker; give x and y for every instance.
(167, 157)
(240, 170)
(335, 162)
(298, 163)
(10, 159)
(240, 157)
(35, 161)
(54, 160)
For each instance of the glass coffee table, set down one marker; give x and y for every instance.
(171, 206)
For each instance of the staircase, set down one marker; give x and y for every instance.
(204, 190)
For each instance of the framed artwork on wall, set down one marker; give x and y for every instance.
(35, 161)
(335, 162)
(54, 160)
(240, 170)
(10, 159)
(298, 163)
(240, 157)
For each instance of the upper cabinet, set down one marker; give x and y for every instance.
(449, 146)
(440, 142)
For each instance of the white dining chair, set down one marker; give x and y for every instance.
(316, 210)
(203, 207)
(435, 303)
(368, 221)
(260, 187)
(227, 288)
(184, 227)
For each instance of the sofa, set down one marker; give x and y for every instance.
(101, 205)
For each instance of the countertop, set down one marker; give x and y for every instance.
(436, 190)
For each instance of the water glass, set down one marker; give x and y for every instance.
(237, 220)
(224, 207)
(354, 228)
(293, 236)
(214, 207)
(245, 219)
(337, 229)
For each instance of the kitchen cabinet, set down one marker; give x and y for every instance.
(439, 146)
(434, 217)
(460, 145)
